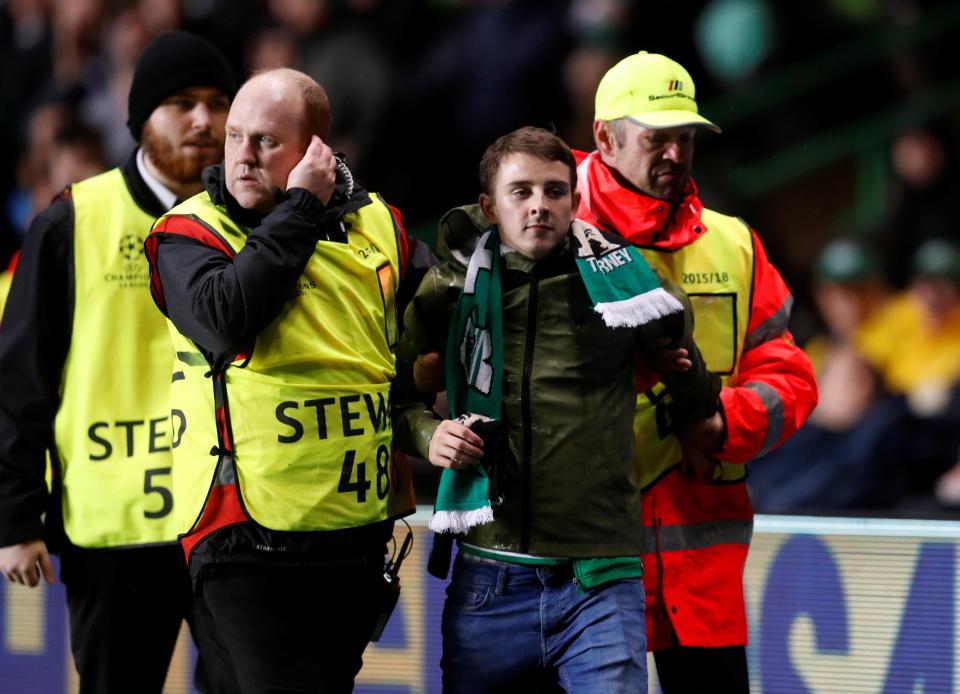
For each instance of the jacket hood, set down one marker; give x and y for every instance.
(458, 233)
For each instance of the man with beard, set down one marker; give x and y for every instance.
(85, 365)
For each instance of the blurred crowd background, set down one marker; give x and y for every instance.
(840, 146)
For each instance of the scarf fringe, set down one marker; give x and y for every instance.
(639, 310)
(459, 522)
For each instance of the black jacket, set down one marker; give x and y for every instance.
(222, 304)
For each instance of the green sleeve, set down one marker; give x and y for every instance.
(426, 322)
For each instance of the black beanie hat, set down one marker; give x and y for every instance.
(174, 60)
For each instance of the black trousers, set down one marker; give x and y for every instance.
(690, 670)
(126, 607)
(296, 629)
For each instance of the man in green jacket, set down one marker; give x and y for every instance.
(541, 318)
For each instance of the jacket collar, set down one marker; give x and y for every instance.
(607, 202)
(215, 183)
(461, 228)
(139, 190)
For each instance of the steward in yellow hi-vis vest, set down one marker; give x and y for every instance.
(292, 430)
(696, 533)
(85, 362)
(697, 517)
(112, 430)
(720, 297)
(304, 416)
(281, 282)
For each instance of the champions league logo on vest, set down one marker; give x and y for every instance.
(131, 270)
(476, 349)
(131, 247)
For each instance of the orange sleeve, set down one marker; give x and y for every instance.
(775, 389)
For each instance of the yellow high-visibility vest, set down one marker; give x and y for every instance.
(305, 416)
(6, 277)
(716, 272)
(112, 429)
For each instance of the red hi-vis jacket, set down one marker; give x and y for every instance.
(696, 536)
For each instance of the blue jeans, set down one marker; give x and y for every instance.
(513, 628)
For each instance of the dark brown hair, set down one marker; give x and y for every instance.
(536, 142)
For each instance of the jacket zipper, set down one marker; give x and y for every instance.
(526, 490)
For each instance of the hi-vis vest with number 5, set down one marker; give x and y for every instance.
(301, 422)
(716, 272)
(112, 429)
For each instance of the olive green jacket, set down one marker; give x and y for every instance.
(567, 475)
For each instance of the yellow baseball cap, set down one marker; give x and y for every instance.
(651, 90)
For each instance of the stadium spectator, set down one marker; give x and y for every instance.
(696, 512)
(918, 350)
(270, 48)
(34, 189)
(77, 153)
(925, 186)
(85, 375)
(850, 292)
(850, 453)
(339, 50)
(925, 366)
(888, 372)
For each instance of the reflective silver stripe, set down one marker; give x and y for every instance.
(774, 326)
(648, 539)
(774, 406)
(697, 535)
(192, 358)
(227, 474)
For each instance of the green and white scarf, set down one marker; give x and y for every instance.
(623, 289)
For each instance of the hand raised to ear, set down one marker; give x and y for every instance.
(316, 171)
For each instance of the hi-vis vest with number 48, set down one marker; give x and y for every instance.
(716, 272)
(112, 429)
(301, 423)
